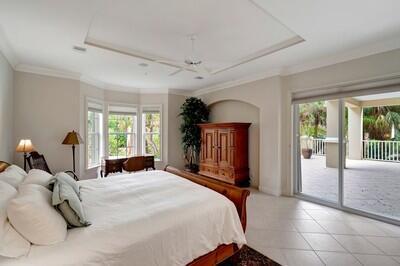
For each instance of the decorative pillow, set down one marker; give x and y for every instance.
(33, 216)
(38, 177)
(13, 175)
(68, 203)
(66, 178)
(12, 244)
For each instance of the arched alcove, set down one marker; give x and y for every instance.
(239, 111)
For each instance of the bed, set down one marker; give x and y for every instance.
(166, 217)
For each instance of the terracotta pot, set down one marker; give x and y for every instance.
(306, 153)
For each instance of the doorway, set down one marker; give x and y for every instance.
(347, 154)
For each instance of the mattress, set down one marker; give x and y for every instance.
(146, 218)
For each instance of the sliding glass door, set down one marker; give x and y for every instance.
(318, 150)
(347, 153)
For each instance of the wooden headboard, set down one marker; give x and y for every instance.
(237, 195)
(3, 166)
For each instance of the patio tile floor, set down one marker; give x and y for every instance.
(371, 186)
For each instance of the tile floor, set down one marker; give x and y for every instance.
(295, 232)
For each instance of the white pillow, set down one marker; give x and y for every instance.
(33, 216)
(13, 175)
(12, 244)
(38, 177)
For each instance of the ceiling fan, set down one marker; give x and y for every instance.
(191, 63)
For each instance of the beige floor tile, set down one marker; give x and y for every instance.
(389, 245)
(338, 259)
(301, 258)
(337, 227)
(322, 242)
(357, 244)
(276, 239)
(376, 260)
(308, 226)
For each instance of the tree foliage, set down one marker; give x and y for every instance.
(378, 121)
(193, 111)
(313, 119)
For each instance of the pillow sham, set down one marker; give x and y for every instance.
(13, 175)
(66, 200)
(39, 177)
(12, 244)
(33, 216)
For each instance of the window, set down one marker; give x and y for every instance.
(122, 132)
(94, 134)
(151, 130)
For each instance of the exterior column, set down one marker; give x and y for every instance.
(355, 132)
(332, 134)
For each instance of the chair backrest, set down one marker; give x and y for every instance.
(37, 161)
(3, 166)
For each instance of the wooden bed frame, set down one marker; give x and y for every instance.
(237, 195)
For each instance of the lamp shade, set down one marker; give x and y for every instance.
(25, 145)
(72, 138)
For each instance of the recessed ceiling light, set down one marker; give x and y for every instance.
(198, 77)
(79, 48)
(143, 65)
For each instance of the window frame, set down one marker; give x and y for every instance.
(151, 108)
(100, 105)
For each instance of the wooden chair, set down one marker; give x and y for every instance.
(139, 163)
(3, 166)
(37, 161)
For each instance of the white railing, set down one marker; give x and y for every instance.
(381, 150)
(319, 146)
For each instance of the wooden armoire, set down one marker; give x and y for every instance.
(224, 152)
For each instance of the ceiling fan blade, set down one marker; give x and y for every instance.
(203, 71)
(169, 62)
(176, 72)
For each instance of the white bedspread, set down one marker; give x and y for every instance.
(147, 218)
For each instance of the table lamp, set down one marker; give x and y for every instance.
(25, 146)
(73, 138)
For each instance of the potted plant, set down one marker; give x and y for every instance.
(193, 111)
(306, 146)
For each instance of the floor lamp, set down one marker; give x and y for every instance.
(25, 146)
(73, 138)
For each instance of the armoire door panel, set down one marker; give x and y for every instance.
(223, 148)
(209, 155)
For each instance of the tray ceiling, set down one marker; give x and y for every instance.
(236, 39)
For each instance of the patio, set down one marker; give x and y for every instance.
(372, 186)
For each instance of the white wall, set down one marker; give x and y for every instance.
(45, 110)
(7, 144)
(238, 111)
(175, 150)
(267, 96)
(273, 97)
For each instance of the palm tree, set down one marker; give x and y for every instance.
(379, 121)
(313, 118)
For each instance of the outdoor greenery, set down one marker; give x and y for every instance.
(121, 137)
(378, 122)
(152, 137)
(193, 111)
(313, 119)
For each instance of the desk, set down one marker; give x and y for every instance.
(117, 165)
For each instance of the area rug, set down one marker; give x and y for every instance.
(248, 257)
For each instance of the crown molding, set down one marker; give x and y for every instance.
(47, 71)
(358, 53)
(181, 92)
(234, 83)
(93, 82)
(7, 51)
